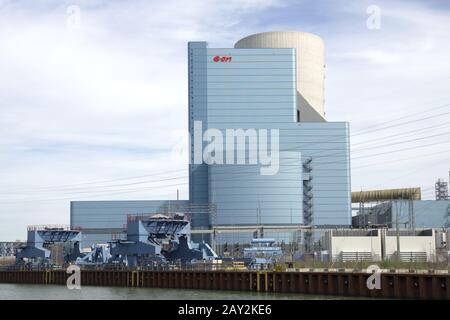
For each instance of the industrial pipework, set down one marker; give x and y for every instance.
(386, 195)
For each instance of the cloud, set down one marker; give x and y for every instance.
(97, 101)
(108, 99)
(376, 76)
(373, 56)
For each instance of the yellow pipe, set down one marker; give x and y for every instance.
(386, 194)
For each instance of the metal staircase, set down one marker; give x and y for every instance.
(307, 201)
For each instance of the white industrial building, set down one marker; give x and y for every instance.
(351, 245)
(382, 244)
(414, 245)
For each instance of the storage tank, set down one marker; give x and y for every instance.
(310, 63)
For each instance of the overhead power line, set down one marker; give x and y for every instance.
(84, 186)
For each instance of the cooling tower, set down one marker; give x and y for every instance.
(310, 67)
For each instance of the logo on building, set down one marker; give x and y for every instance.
(222, 59)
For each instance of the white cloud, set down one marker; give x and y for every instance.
(374, 76)
(97, 102)
(373, 56)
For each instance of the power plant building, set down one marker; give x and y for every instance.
(263, 100)
(256, 88)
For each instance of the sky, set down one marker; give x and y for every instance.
(93, 94)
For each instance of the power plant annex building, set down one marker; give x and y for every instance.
(270, 88)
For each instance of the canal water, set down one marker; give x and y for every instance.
(57, 292)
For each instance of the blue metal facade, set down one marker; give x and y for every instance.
(427, 213)
(256, 89)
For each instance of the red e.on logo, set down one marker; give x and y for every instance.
(222, 59)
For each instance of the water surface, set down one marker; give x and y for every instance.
(58, 292)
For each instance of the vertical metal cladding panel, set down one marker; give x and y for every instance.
(327, 144)
(244, 196)
(198, 111)
(427, 213)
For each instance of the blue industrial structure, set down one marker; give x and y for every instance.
(427, 213)
(254, 166)
(157, 238)
(256, 89)
(252, 90)
(102, 220)
(41, 239)
(148, 238)
(410, 213)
